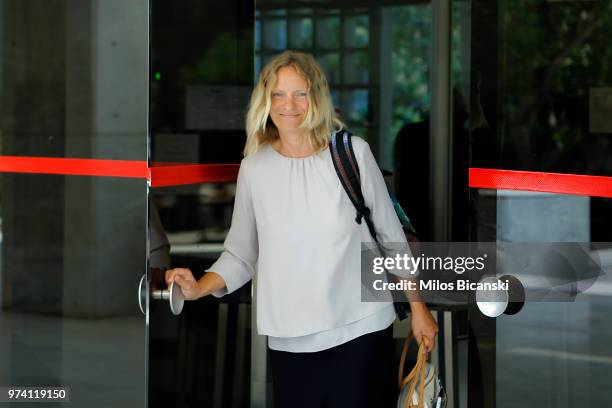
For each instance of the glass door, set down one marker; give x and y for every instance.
(205, 56)
(73, 199)
(201, 79)
(541, 92)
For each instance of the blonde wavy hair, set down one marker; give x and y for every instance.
(321, 118)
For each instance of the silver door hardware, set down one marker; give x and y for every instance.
(173, 294)
(494, 303)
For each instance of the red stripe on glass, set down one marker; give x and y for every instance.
(174, 175)
(560, 183)
(76, 167)
(160, 175)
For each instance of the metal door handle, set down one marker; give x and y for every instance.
(496, 303)
(173, 294)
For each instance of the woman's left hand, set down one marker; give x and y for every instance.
(423, 325)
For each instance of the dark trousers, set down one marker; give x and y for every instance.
(360, 373)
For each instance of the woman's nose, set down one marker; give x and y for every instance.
(290, 102)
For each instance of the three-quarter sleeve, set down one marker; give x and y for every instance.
(237, 263)
(386, 223)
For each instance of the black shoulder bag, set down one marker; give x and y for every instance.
(345, 163)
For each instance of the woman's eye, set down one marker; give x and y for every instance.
(276, 94)
(301, 94)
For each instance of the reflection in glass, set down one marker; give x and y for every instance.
(258, 34)
(336, 98)
(328, 32)
(554, 68)
(330, 63)
(202, 357)
(275, 12)
(356, 111)
(357, 107)
(302, 11)
(356, 68)
(411, 27)
(265, 59)
(275, 34)
(73, 83)
(357, 31)
(532, 72)
(258, 66)
(74, 80)
(69, 276)
(301, 33)
(555, 353)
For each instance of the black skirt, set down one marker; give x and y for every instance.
(360, 373)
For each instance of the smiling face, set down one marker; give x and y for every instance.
(289, 100)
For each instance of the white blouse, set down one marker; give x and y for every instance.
(294, 224)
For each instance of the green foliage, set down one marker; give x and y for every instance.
(551, 54)
(411, 54)
(219, 63)
(412, 26)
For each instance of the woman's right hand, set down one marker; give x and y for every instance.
(184, 278)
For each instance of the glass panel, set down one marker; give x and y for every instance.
(275, 34)
(303, 11)
(258, 67)
(330, 63)
(328, 32)
(64, 90)
(301, 33)
(410, 65)
(356, 70)
(202, 357)
(275, 12)
(336, 98)
(257, 35)
(566, 344)
(266, 58)
(551, 88)
(74, 81)
(460, 54)
(560, 348)
(355, 111)
(537, 106)
(357, 107)
(357, 31)
(406, 139)
(461, 96)
(70, 277)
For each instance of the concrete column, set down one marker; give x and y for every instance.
(75, 84)
(112, 215)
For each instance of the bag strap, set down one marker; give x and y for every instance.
(347, 169)
(345, 163)
(417, 370)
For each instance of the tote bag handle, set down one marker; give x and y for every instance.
(417, 371)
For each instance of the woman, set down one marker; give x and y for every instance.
(294, 223)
